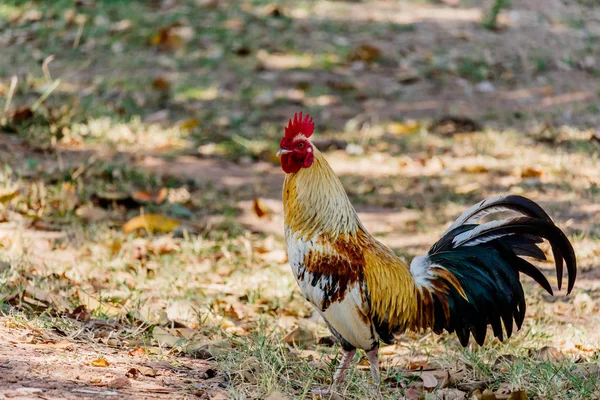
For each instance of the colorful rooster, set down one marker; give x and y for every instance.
(468, 280)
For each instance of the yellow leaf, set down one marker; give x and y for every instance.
(8, 194)
(151, 223)
(189, 124)
(532, 172)
(100, 362)
(475, 169)
(404, 128)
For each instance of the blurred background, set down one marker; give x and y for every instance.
(139, 185)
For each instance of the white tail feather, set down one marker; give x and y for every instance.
(465, 237)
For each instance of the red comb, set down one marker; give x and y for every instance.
(298, 126)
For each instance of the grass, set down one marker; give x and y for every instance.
(162, 111)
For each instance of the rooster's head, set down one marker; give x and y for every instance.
(295, 150)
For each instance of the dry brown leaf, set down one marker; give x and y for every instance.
(260, 208)
(162, 195)
(92, 304)
(148, 371)
(100, 362)
(63, 345)
(138, 351)
(413, 393)
(187, 333)
(161, 84)
(133, 373)
(119, 383)
(142, 196)
(163, 337)
(301, 337)
(172, 37)
(91, 214)
(451, 125)
(430, 382)
(151, 223)
(486, 395)
(365, 52)
(518, 395)
(549, 354)
(450, 394)
(417, 366)
(50, 299)
(22, 114)
(532, 172)
(276, 396)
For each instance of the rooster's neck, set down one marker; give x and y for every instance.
(315, 202)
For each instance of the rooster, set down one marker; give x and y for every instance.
(366, 294)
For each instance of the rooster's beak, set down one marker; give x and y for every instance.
(282, 152)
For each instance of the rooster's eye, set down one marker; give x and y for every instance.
(300, 145)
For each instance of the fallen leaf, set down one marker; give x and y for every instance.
(119, 383)
(430, 382)
(138, 351)
(518, 395)
(404, 128)
(161, 84)
(133, 373)
(91, 213)
(532, 172)
(100, 362)
(63, 344)
(475, 169)
(467, 188)
(22, 114)
(276, 396)
(189, 124)
(121, 26)
(7, 194)
(206, 350)
(142, 196)
(162, 195)
(50, 299)
(172, 37)
(450, 125)
(301, 337)
(413, 393)
(163, 337)
(148, 371)
(365, 52)
(94, 305)
(151, 223)
(549, 354)
(450, 394)
(260, 209)
(486, 395)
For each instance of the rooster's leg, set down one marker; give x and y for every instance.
(341, 370)
(338, 377)
(373, 356)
